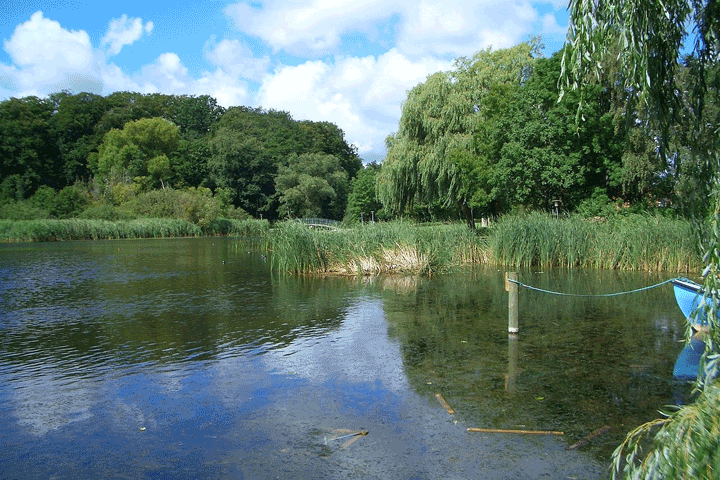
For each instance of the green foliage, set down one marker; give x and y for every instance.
(27, 149)
(22, 210)
(646, 38)
(684, 445)
(241, 165)
(140, 151)
(536, 154)
(312, 185)
(627, 242)
(196, 205)
(73, 128)
(362, 199)
(374, 248)
(13, 188)
(437, 124)
(69, 202)
(106, 212)
(79, 229)
(131, 143)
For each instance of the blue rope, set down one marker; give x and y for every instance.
(581, 295)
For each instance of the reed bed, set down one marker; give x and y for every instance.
(86, 229)
(396, 247)
(633, 242)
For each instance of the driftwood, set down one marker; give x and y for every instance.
(444, 404)
(587, 439)
(521, 432)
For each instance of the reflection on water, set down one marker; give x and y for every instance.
(187, 358)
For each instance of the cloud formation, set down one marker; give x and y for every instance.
(361, 95)
(125, 31)
(47, 57)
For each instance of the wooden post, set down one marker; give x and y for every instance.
(512, 363)
(512, 289)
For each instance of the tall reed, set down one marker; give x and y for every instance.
(89, 229)
(374, 248)
(632, 242)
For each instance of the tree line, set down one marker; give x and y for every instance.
(495, 134)
(72, 154)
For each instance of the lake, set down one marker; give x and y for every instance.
(189, 358)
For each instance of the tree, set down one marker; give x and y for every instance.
(241, 164)
(312, 185)
(139, 152)
(438, 120)
(534, 153)
(195, 116)
(650, 36)
(28, 152)
(362, 199)
(73, 126)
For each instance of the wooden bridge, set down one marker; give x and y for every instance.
(320, 223)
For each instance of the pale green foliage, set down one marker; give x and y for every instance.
(426, 160)
(140, 152)
(312, 185)
(687, 444)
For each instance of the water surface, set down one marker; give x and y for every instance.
(187, 358)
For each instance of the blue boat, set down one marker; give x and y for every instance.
(686, 365)
(689, 296)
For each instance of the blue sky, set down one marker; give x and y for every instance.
(350, 63)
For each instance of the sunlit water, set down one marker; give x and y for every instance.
(186, 358)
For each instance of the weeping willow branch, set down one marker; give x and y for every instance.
(687, 444)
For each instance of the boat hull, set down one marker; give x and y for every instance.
(689, 296)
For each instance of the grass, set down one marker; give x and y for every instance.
(394, 247)
(87, 229)
(633, 242)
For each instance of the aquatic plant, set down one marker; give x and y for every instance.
(374, 248)
(627, 242)
(86, 229)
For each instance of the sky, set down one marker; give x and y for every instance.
(350, 63)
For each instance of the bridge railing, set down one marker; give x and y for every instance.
(320, 221)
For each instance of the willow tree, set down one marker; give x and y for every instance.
(651, 36)
(430, 158)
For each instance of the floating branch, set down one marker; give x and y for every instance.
(445, 405)
(587, 439)
(521, 432)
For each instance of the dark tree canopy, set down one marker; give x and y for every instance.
(69, 138)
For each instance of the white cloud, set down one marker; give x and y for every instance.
(167, 74)
(310, 27)
(236, 59)
(463, 28)
(125, 31)
(363, 96)
(430, 27)
(49, 58)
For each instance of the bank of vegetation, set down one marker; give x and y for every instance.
(629, 242)
(49, 230)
